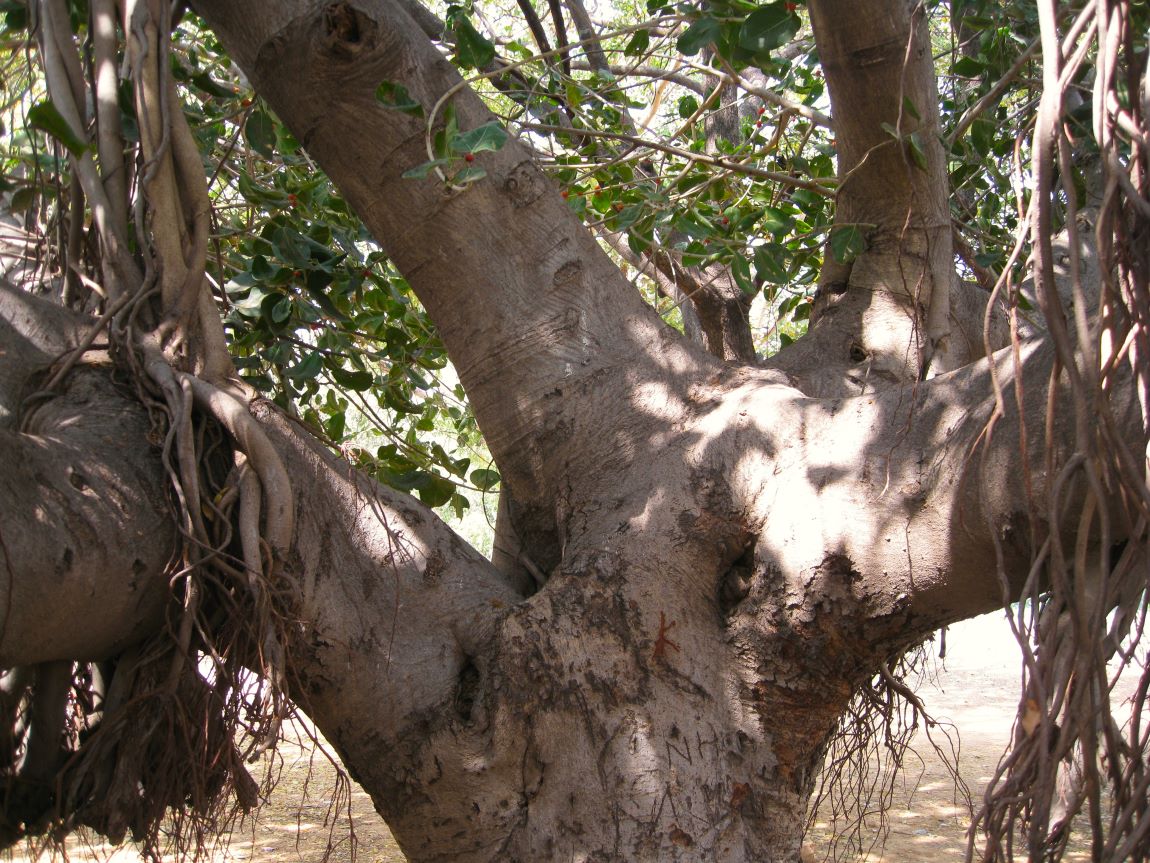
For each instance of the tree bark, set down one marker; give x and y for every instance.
(726, 557)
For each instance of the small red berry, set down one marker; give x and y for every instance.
(762, 111)
(470, 157)
(293, 200)
(297, 273)
(366, 273)
(246, 103)
(565, 194)
(725, 221)
(618, 205)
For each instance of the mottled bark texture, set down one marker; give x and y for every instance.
(724, 556)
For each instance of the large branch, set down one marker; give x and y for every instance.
(77, 533)
(889, 310)
(395, 608)
(932, 515)
(526, 314)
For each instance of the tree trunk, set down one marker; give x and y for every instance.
(726, 557)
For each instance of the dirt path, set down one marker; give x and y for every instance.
(976, 689)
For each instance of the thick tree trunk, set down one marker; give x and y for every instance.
(725, 557)
(667, 694)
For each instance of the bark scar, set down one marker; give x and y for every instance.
(661, 640)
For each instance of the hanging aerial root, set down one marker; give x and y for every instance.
(870, 749)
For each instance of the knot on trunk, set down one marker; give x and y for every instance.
(346, 30)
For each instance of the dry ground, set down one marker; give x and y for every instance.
(976, 688)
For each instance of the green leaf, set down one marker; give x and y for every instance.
(281, 311)
(741, 270)
(698, 36)
(470, 174)
(768, 28)
(45, 117)
(908, 106)
(250, 305)
(628, 216)
(847, 242)
(688, 105)
(769, 265)
(967, 67)
(212, 87)
(260, 194)
(420, 172)
(434, 490)
(917, 150)
(490, 136)
(472, 49)
(260, 132)
(335, 425)
(459, 504)
(395, 96)
(353, 380)
(291, 247)
(484, 479)
(693, 228)
(15, 16)
(776, 221)
(307, 369)
(639, 43)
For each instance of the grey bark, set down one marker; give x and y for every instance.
(727, 556)
(722, 551)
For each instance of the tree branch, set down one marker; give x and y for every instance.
(524, 314)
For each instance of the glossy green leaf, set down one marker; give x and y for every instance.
(470, 174)
(45, 117)
(484, 479)
(282, 310)
(917, 150)
(770, 266)
(489, 136)
(420, 172)
(260, 133)
(638, 44)
(847, 242)
(768, 28)
(698, 36)
(353, 380)
(307, 369)
(433, 489)
(472, 49)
